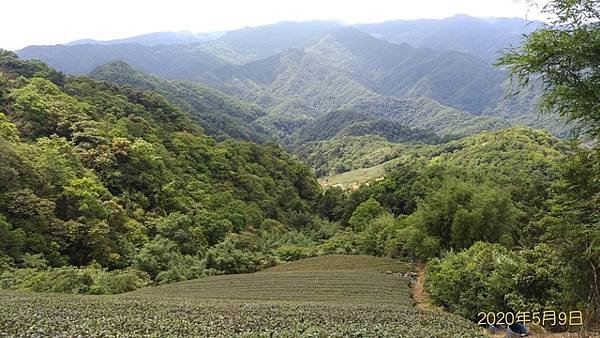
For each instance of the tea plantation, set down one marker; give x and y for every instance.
(334, 296)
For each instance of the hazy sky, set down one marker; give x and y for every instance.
(27, 22)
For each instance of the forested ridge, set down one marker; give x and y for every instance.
(280, 82)
(220, 115)
(96, 173)
(423, 74)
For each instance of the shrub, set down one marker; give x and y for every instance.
(234, 256)
(322, 229)
(293, 252)
(375, 236)
(489, 277)
(163, 262)
(92, 279)
(412, 242)
(345, 242)
(365, 213)
(119, 281)
(473, 280)
(460, 214)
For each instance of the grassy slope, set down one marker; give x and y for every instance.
(354, 178)
(328, 296)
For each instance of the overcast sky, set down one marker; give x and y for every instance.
(28, 22)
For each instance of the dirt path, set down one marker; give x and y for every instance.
(422, 299)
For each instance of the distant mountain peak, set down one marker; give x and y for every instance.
(155, 38)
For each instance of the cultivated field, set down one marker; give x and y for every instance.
(353, 179)
(335, 296)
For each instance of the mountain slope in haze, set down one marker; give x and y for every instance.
(522, 108)
(299, 71)
(219, 114)
(254, 43)
(299, 86)
(344, 123)
(483, 37)
(453, 78)
(168, 61)
(350, 69)
(427, 114)
(154, 39)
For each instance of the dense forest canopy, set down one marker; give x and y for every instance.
(96, 172)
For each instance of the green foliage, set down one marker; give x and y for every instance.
(11, 240)
(237, 254)
(365, 213)
(346, 242)
(91, 279)
(286, 301)
(562, 55)
(572, 224)
(188, 232)
(499, 180)
(412, 242)
(490, 278)
(161, 259)
(473, 280)
(16, 67)
(375, 235)
(460, 214)
(343, 154)
(292, 252)
(348, 123)
(219, 115)
(33, 261)
(96, 172)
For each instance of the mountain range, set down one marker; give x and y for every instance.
(302, 82)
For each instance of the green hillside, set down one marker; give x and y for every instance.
(298, 71)
(219, 114)
(355, 123)
(108, 175)
(455, 79)
(328, 296)
(304, 179)
(346, 153)
(298, 86)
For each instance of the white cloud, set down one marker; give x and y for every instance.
(26, 22)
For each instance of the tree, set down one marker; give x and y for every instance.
(365, 213)
(8, 131)
(460, 213)
(181, 229)
(35, 261)
(331, 203)
(11, 240)
(491, 278)
(573, 224)
(563, 55)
